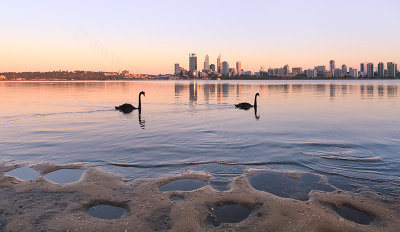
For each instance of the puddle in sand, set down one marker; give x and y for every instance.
(220, 186)
(229, 213)
(354, 215)
(183, 185)
(24, 173)
(108, 212)
(282, 185)
(64, 176)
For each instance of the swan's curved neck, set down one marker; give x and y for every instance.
(255, 101)
(140, 101)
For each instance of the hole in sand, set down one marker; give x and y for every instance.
(64, 176)
(228, 213)
(183, 185)
(353, 214)
(109, 212)
(297, 187)
(177, 198)
(24, 173)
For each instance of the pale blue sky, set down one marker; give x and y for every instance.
(150, 36)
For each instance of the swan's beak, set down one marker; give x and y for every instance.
(144, 94)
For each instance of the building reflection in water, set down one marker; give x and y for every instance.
(222, 90)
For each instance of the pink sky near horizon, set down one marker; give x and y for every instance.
(151, 38)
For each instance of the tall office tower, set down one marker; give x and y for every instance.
(176, 69)
(370, 70)
(344, 70)
(192, 62)
(391, 69)
(219, 67)
(381, 69)
(206, 63)
(332, 66)
(238, 68)
(225, 68)
(363, 69)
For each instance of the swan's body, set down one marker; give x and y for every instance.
(247, 106)
(128, 108)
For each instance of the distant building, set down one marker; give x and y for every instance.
(270, 72)
(238, 67)
(344, 70)
(2, 77)
(352, 72)
(370, 70)
(363, 70)
(297, 71)
(311, 73)
(192, 62)
(320, 70)
(225, 68)
(391, 69)
(206, 63)
(332, 66)
(286, 70)
(381, 69)
(212, 67)
(176, 69)
(232, 72)
(337, 72)
(219, 65)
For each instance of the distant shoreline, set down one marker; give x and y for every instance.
(200, 79)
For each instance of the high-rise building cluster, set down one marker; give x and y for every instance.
(210, 70)
(222, 68)
(367, 70)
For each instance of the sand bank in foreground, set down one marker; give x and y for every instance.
(41, 205)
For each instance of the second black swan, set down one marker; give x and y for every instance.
(247, 106)
(128, 108)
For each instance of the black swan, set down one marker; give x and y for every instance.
(127, 108)
(247, 106)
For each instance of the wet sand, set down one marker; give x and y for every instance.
(41, 205)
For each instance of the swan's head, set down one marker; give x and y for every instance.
(144, 94)
(257, 94)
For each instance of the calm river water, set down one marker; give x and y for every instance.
(348, 131)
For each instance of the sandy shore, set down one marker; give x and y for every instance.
(41, 205)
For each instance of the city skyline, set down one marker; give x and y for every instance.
(368, 69)
(144, 37)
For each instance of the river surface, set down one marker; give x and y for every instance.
(347, 131)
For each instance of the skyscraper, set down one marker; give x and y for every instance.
(332, 66)
(392, 69)
(219, 67)
(176, 69)
(370, 70)
(344, 70)
(225, 68)
(192, 62)
(206, 63)
(363, 69)
(381, 69)
(238, 68)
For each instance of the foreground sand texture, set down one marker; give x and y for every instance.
(40, 205)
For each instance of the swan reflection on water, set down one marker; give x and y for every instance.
(142, 123)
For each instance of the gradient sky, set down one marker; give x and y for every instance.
(150, 36)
